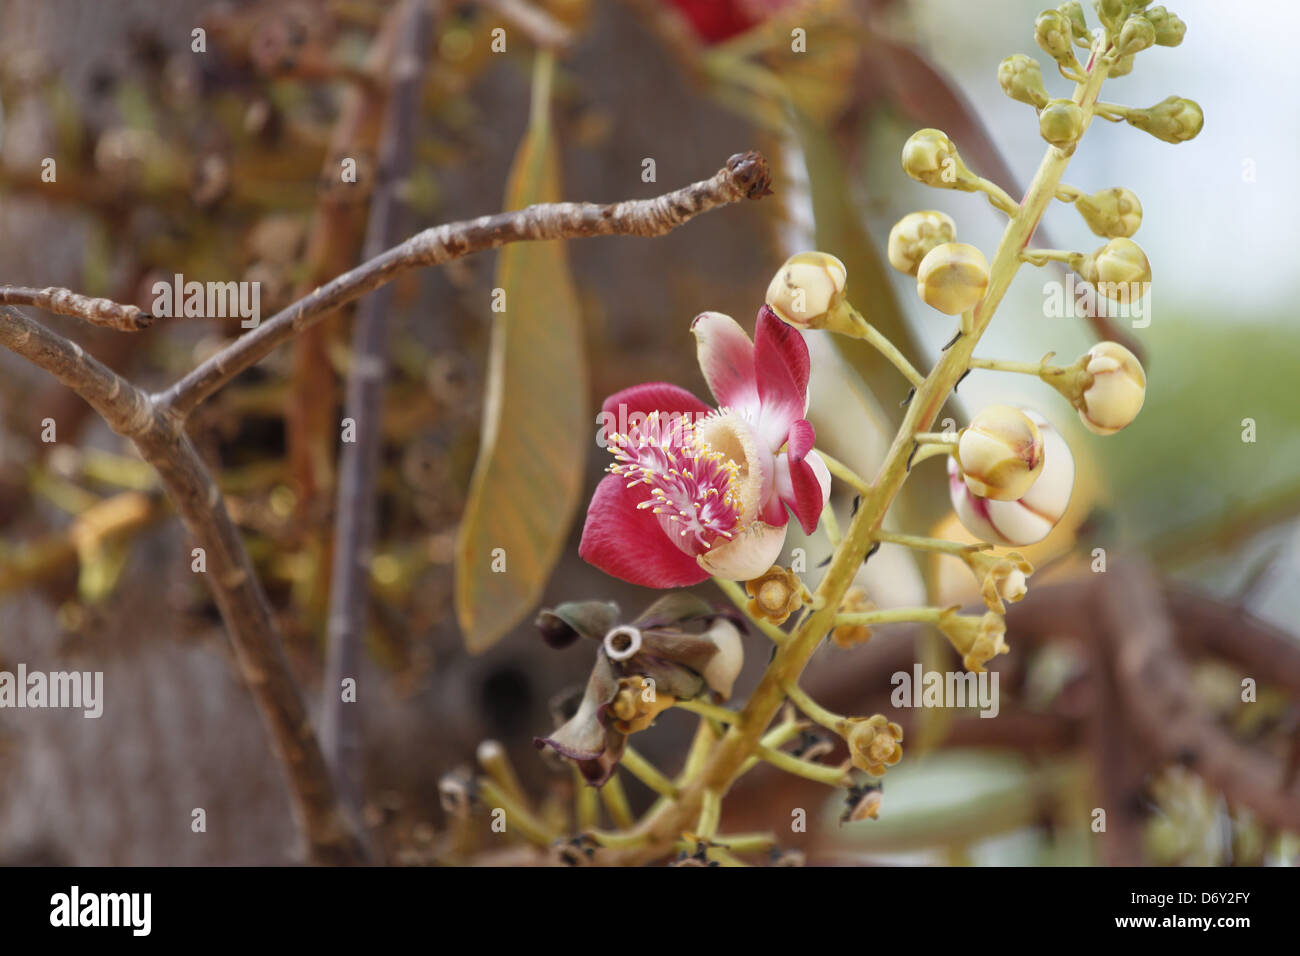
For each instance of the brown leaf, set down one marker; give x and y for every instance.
(528, 477)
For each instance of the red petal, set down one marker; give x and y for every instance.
(786, 341)
(655, 397)
(808, 499)
(727, 359)
(627, 542)
(801, 439)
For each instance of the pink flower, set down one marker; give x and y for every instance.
(696, 491)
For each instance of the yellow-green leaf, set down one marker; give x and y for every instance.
(528, 476)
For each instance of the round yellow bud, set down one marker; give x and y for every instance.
(1119, 386)
(1119, 270)
(1000, 453)
(1175, 119)
(1021, 78)
(1054, 33)
(1061, 123)
(929, 156)
(915, 235)
(1137, 35)
(952, 277)
(1073, 11)
(1169, 29)
(1121, 67)
(1113, 213)
(806, 288)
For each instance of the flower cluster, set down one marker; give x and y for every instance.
(695, 490)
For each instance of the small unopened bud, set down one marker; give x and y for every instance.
(1061, 123)
(1054, 33)
(1073, 11)
(807, 288)
(1138, 34)
(1031, 518)
(874, 744)
(1000, 453)
(1118, 388)
(775, 595)
(929, 156)
(915, 235)
(1119, 270)
(952, 277)
(977, 639)
(1121, 67)
(1114, 213)
(1021, 78)
(1174, 119)
(1169, 29)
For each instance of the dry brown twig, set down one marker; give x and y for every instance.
(156, 425)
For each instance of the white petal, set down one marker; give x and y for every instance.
(721, 671)
(747, 555)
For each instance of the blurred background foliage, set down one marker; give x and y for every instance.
(223, 165)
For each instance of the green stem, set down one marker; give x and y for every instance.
(1007, 365)
(929, 544)
(818, 772)
(739, 598)
(710, 814)
(648, 774)
(859, 327)
(616, 804)
(711, 711)
(813, 710)
(893, 615)
(844, 473)
(997, 196)
(494, 796)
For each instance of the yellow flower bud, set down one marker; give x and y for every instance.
(977, 639)
(915, 235)
(1174, 119)
(1113, 213)
(1001, 576)
(1121, 67)
(1119, 270)
(1021, 78)
(952, 277)
(1000, 453)
(807, 288)
(849, 635)
(930, 157)
(1054, 33)
(1061, 123)
(874, 744)
(1073, 11)
(1169, 29)
(775, 595)
(1137, 35)
(1117, 390)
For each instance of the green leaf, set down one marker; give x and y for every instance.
(528, 477)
